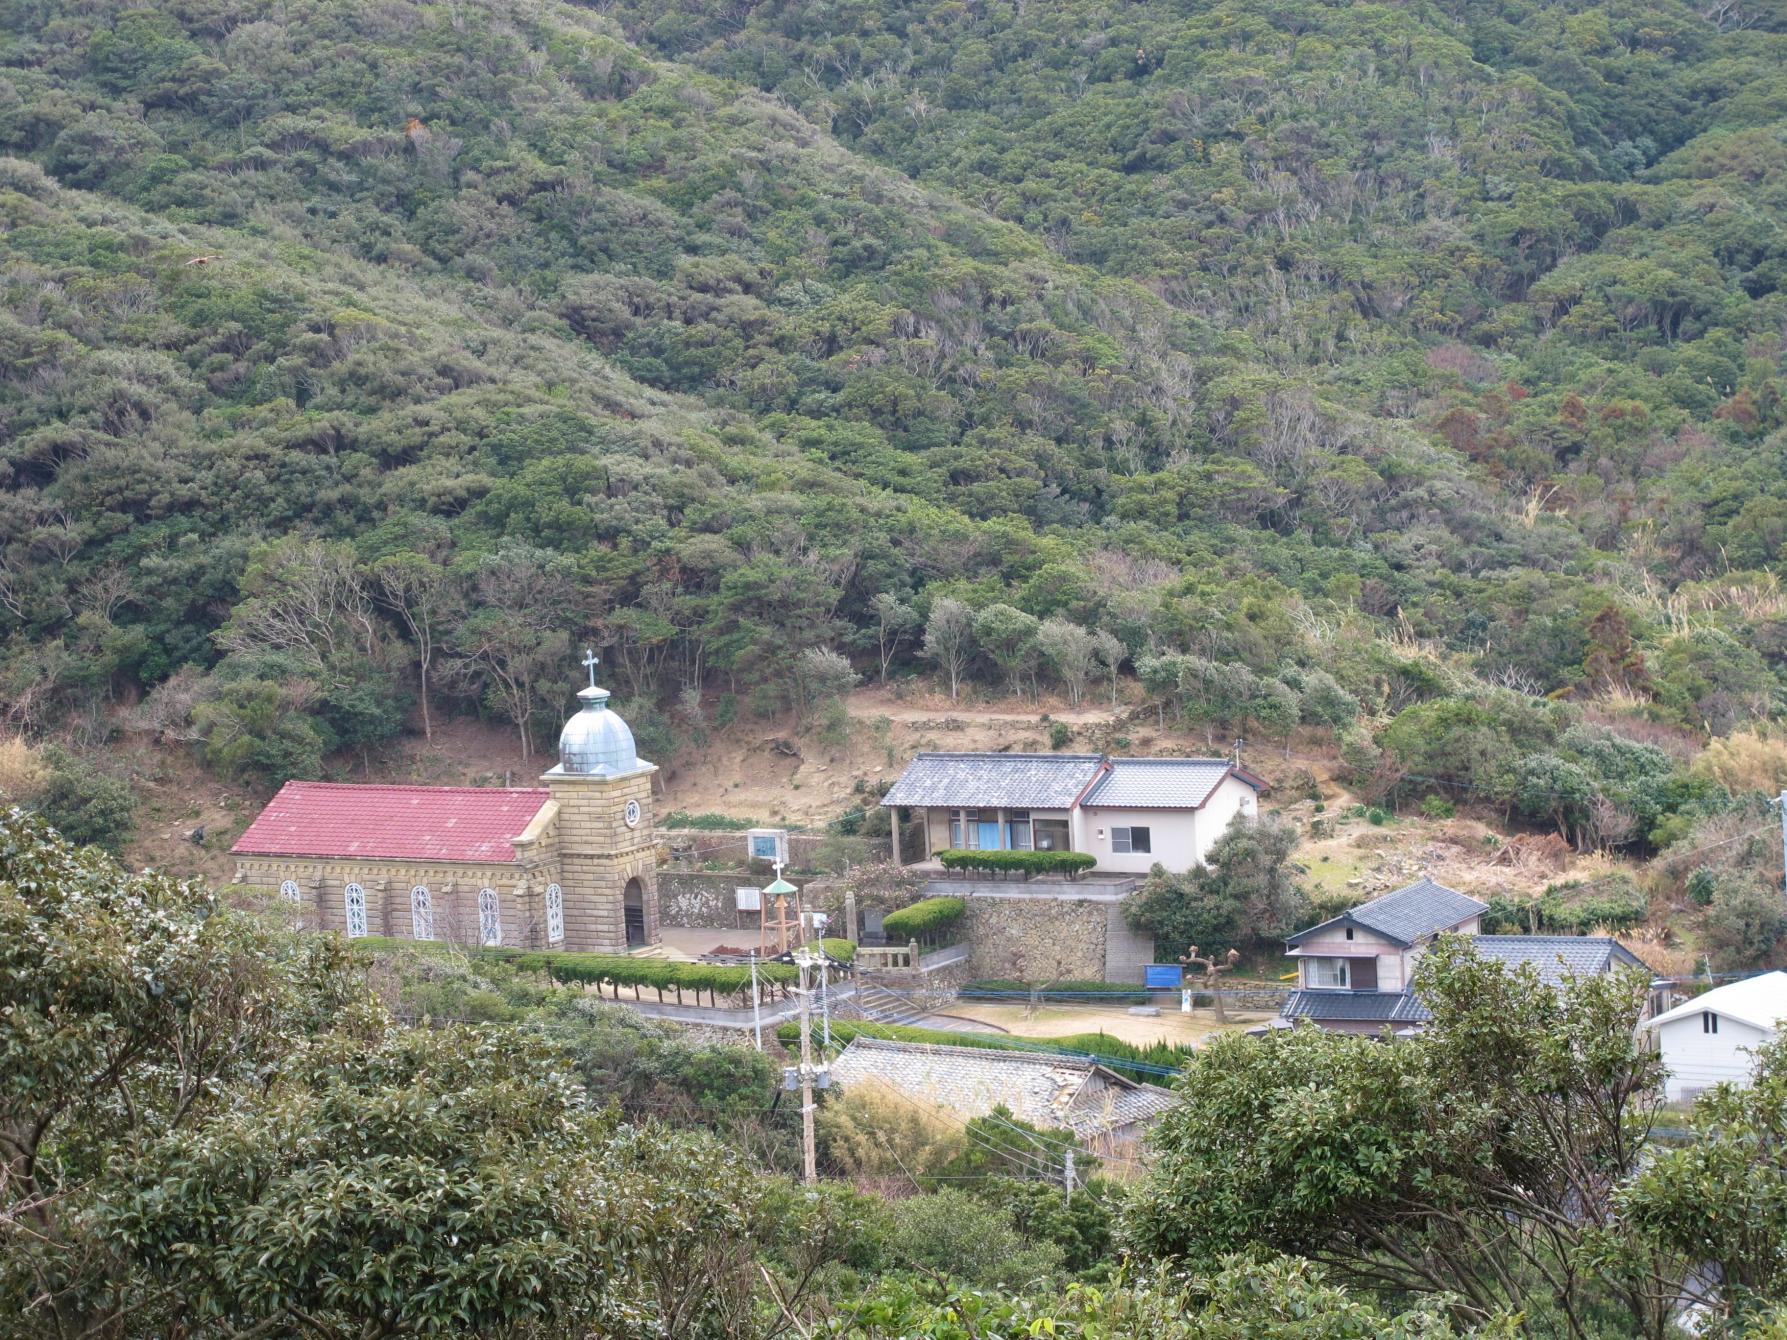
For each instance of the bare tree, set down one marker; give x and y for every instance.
(1072, 651)
(422, 594)
(1109, 649)
(307, 600)
(515, 636)
(895, 621)
(949, 640)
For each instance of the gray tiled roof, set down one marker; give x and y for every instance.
(1558, 956)
(1047, 1090)
(1409, 914)
(997, 781)
(1158, 783)
(1389, 1007)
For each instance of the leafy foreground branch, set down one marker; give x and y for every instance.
(1503, 1160)
(212, 1129)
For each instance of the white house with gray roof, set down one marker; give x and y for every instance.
(1130, 813)
(1712, 1038)
(1354, 971)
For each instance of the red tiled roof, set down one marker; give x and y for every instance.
(405, 823)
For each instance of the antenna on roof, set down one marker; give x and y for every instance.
(1239, 741)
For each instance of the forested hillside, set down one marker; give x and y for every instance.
(1314, 363)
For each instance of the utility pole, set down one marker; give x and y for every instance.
(756, 1004)
(825, 997)
(1782, 802)
(809, 1153)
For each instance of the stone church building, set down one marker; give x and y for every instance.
(570, 864)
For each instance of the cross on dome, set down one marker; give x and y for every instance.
(595, 741)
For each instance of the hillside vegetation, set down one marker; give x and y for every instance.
(1409, 374)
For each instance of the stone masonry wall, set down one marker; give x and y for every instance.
(1036, 938)
(706, 900)
(702, 899)
(453, 890)
(804, 849)
(598, 853)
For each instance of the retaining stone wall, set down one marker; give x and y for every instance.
(700, 899)
(803, 848)
(1035, 938)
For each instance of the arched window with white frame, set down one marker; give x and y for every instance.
(289, 890)
(353, 898)
(421, 914)
(490, 918)
(555, 915)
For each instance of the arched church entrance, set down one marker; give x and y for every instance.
(633, 900)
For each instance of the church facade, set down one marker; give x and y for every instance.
(570, 864)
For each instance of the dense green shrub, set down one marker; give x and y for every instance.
(710, 823)
(1745, 922)
(1029, 862)
(1614, 904)
(1701, 885)
(85, 804)
(924, 920)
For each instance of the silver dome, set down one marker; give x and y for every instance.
(596, 742)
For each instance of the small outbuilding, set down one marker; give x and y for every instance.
(1713, 1037)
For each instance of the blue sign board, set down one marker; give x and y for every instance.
(1164, 976)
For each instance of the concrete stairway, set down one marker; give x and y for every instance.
(876, 1003)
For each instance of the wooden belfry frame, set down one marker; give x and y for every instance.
(776, 917)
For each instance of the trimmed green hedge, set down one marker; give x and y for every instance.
(1141, 1063)
(1002, 989)
(923, 920)
(1029, 862)
(615, 970)
(842, 950)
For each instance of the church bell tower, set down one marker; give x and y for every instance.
(606, 857)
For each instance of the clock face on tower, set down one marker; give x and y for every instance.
(632, 814)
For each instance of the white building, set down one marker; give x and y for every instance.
(1130, 813)
(1714, 1036)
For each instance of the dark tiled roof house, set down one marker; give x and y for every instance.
(1355, 970)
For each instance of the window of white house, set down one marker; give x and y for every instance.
(1327, 972)
(964, 830)
(353, 899)
(490, 919)
(1709, 1022)
(1130, 839)
(1349, 932)
(555, 915)
(1050, 835)
(421, 914)
(1017, 830)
